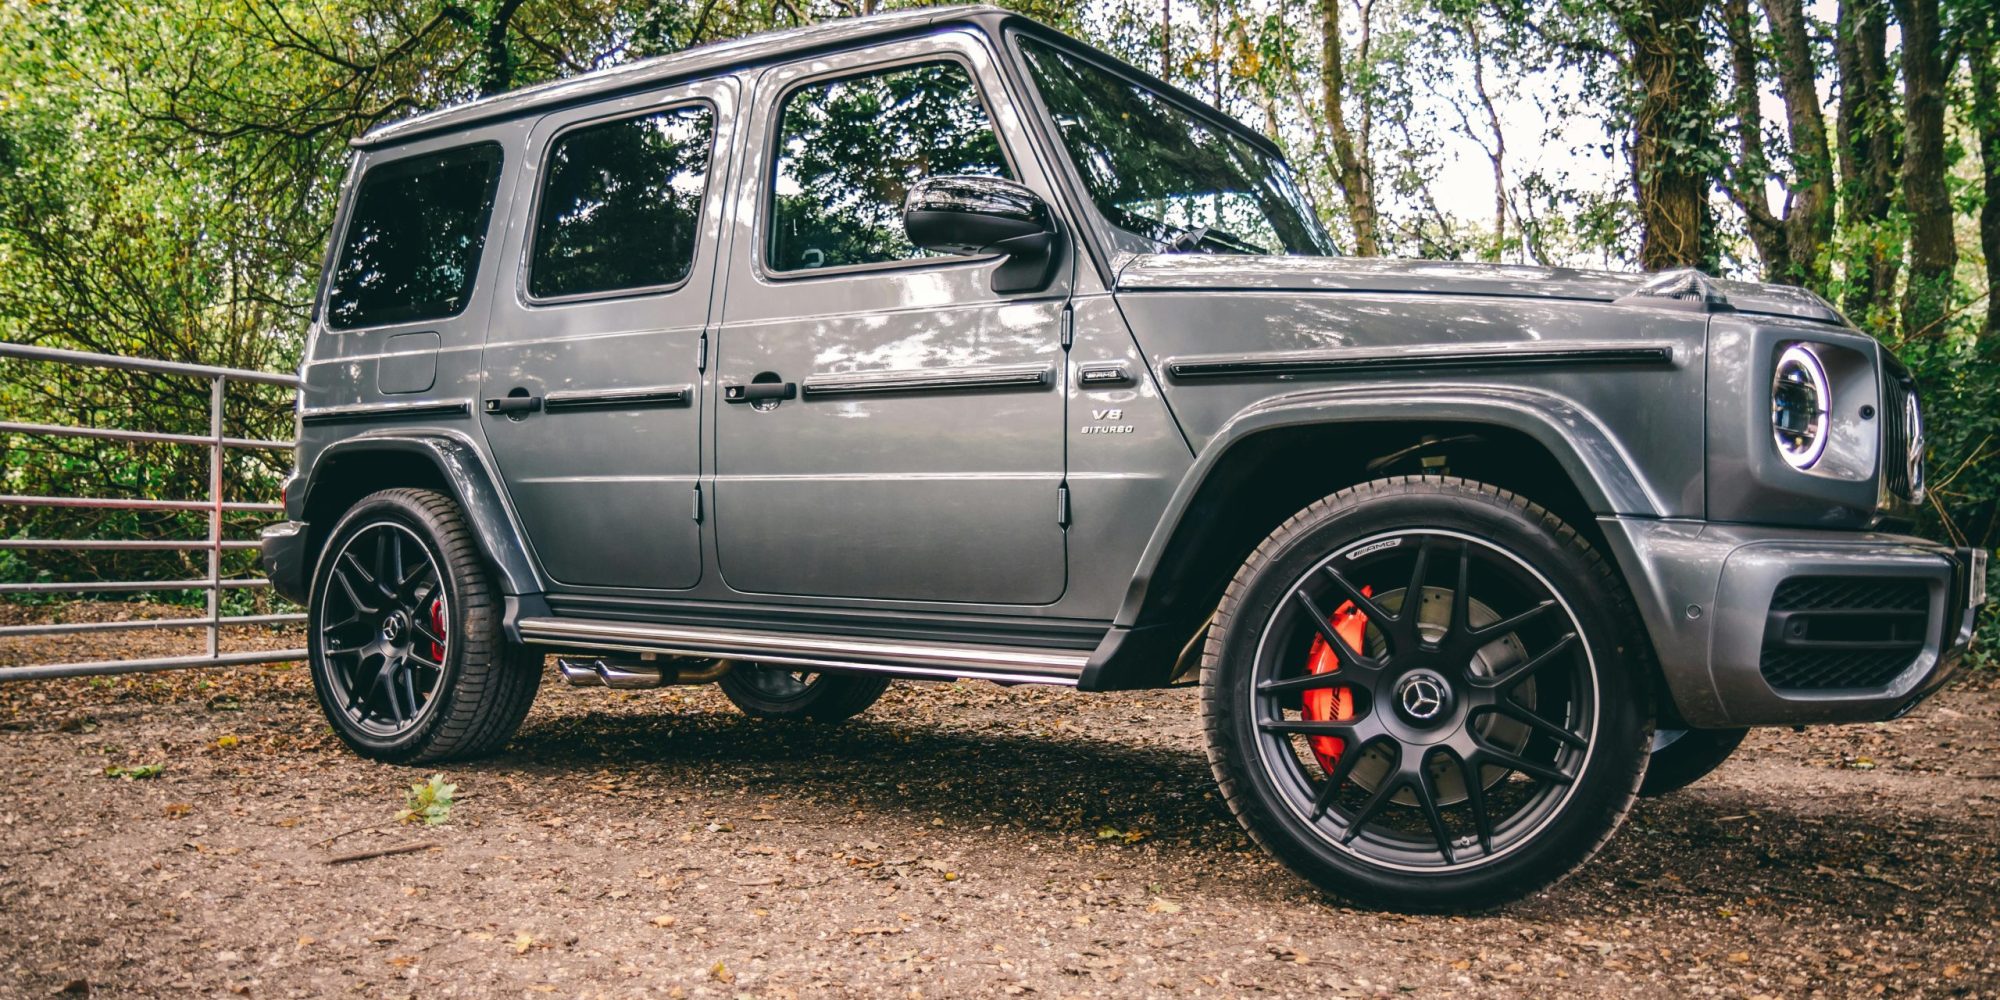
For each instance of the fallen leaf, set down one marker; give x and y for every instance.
(663, 920)
(1159, 905)
(721, 973)
(522, 942)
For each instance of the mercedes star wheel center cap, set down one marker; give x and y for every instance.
(1423, 697)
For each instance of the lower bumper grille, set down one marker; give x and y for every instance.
(1844, 632)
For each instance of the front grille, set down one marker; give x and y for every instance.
(1838, 593)
(1902, 434)
(1802, 670)
(1844, 632)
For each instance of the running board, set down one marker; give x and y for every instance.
(1007, 665)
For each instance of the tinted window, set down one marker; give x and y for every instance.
(414, 239)
(1168, 176)
(620, 202)
(848, 151)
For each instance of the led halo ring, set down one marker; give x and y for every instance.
(1801, 400)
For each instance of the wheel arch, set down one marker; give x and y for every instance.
(349, 470)
(1273, 460)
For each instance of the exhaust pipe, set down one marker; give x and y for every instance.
(628, 675)
(622, 675)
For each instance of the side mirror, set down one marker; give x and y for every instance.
(972, 214)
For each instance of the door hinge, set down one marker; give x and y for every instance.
(697, 505)
(701, 353)
(1062, 506)
(1068, 326)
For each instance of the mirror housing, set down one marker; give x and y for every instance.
(967, 214)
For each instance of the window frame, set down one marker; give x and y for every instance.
(532, 225)
(338, 248)
(768, 185)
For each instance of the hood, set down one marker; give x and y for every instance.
(1688, 289)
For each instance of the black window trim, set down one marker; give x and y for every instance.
(323, 315)
(533, 221)
(768, 183)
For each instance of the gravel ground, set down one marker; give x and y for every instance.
(956, 840)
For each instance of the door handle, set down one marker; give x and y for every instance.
(514, 406)
(758, 392)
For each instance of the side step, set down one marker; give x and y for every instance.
(1006, 664)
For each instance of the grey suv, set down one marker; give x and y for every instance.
(937, 345)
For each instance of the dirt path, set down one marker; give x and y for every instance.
(957, 840)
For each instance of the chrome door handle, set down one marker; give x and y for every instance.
(514, 406)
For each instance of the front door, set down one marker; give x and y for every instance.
(888, 426)
(592, 401)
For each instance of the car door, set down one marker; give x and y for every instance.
(912, 445)
(593, 367)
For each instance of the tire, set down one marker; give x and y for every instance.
(421, 671)
(1682, 757)
(774, 692)
(1544, 625)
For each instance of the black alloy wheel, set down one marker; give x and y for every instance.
(382, 630)
(1426, 702)
(408, 656)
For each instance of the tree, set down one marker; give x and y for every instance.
(1673, 148)
(1791, 240)
(1981, 51)
(1868, 136)
(1927, 293)
(1356, 181)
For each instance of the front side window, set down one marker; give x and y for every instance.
(848, 150)
(621, 203)
(414, 238)
(1176, 182)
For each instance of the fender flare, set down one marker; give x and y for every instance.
(1600, 468)
(495, 529)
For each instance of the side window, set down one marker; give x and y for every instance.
(620, 204)
(414, 238)
(848, 151)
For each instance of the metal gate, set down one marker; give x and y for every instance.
(217, 445)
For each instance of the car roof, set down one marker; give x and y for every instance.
(702, 60)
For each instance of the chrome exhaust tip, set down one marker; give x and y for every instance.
(624, 675)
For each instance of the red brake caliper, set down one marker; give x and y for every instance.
(437, 628)
(1335, 703)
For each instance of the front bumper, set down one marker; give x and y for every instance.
(1706, 592)
(282, 552)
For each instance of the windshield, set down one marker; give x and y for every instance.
(1176, 182)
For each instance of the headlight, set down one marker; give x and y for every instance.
(1801, 398)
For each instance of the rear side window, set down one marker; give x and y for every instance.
(620, 204)
(848, 151)
(414, 239)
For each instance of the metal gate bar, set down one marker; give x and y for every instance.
(217, 444)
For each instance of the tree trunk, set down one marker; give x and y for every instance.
(1167, 40)
(1933, 254)
(1670, 132)
(1868, 157)
(1497, 153)
(1986, 118)
(1745, 182)
(1809, 217)
(1347, 167)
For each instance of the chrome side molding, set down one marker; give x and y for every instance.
(928, 380)
(1009, 665)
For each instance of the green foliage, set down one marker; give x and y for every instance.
(137, 772)
(429, 802)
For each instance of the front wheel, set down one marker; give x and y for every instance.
(1682, 757)
(778, 692)
(1427, 694)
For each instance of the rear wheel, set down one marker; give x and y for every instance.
(778, 692)
(403, 634)
(1427, 694)
(1682, 757)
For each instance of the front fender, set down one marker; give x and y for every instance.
(465, 476)
(1597, 465)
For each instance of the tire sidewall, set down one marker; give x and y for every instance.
(399, 509)
(1622, 728)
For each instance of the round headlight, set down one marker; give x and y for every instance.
(1801, 398)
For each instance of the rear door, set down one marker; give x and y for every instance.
(592, 393)
(919, 454)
